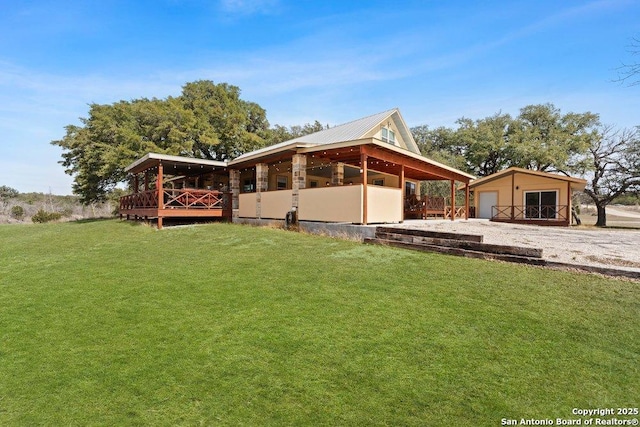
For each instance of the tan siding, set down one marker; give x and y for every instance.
(501, 185)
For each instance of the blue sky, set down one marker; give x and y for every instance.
(332, 61)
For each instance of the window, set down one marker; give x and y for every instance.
(409, 188)
(282, 182)
(313, 184)
(540, 204)
(249, 186)
(388, 136)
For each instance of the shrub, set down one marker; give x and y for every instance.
(17, 212)
(43, 216)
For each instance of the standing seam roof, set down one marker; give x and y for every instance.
(345, 132)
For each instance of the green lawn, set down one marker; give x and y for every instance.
(114, 323)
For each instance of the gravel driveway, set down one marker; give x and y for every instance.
(593, 247)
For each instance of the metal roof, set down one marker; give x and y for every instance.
(350, 131)
(152, 159)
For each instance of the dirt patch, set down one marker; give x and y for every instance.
(613, 261)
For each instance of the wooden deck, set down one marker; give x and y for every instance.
(176, 203)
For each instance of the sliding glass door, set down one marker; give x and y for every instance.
(540, 204)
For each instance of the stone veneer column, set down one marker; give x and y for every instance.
(234, 183)
(299, 174)
(262, 183)
(337, 173)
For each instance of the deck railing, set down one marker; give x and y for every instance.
(536, 213)
(142, 200)
(421, 206)
(190, 198)
(459, 212)
(184, 198)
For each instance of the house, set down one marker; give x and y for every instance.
(525, 196)
(362, 172)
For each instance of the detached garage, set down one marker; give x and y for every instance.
(524, 196)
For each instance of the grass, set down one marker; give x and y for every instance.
(109, 323)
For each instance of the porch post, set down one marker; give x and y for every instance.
(453, 200)
(135, 183)
(466, 200)
(363, 172)
(299, 176)
(401, 184)
(569, 216)
(262, 182)
(337, 173)
(513, 195)
(234, 181)
(146, 181)
(160, 194)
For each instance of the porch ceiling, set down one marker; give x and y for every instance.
(176, 165)
(389, 162)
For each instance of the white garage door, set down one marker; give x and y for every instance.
(487, 200)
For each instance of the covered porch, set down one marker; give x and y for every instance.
(176, 187)
(358, 182)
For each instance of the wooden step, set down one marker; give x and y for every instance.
(429, 233)
(457, 251)
(462, 244)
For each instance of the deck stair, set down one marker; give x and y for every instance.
(469, 245)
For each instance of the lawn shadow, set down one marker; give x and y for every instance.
(92, 220)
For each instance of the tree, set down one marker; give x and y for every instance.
(207, 120)
(281, 133)
(546, 140)
(488, 143)
(612, 166)
(540, 138)
(7, 193)
(115, 135)
(630, 72)
(225, 125)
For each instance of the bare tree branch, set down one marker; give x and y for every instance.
(629, 73)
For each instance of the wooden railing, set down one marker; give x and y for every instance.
(141, 200)
(421, 206)
(459, 212)
(190, 198)
(184, 198)
(536, 213)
